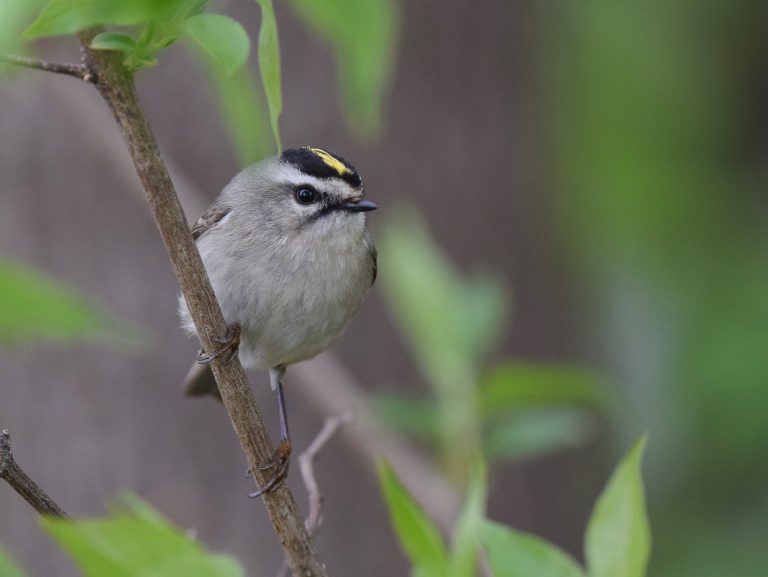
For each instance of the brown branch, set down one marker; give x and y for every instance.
(22, 483)
(80, 71)
(115, 85)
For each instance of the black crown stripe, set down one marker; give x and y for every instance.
(313, 164)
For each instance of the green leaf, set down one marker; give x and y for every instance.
(70, 16)
(423, 295)
(513, 553)
(536, 432)
(269, 66)
(618, 540)
(418, 536)
(220, 36)
(138, 542)
(8, 567)
(241, 104)
(36, 307)
(466, 535)
(483, 315)
(14, 16)
(419, 418)
(514, 385)
(429, 300)
(364, 37)
(113, 41)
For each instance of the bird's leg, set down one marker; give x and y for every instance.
(230, 343)
(281, 459)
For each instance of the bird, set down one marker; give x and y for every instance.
(289, 256)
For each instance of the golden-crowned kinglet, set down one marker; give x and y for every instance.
(290, 259)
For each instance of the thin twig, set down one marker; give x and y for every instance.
(307, 465)
(22, 483)
(80, 71)
(333, 389)
(115, 84)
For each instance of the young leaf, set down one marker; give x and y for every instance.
(14, 16)
(37, 307)
(483, 315)
(69, 16)
(113, 41)
(242, 106)
(364, 37)
(618, 540)
(516, 385)
(513, 553)
(418, 536)
(136, 544)
(220, 36)
(8, 567)
(269, 66)
(424, 293)
(466, 536)
(417, 417)
(536, 432)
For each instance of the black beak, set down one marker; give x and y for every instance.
(361, 205)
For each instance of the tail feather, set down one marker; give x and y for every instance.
(199, 382)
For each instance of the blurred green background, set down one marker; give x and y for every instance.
(573, 251)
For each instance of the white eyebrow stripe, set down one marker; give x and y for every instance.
(290, 174)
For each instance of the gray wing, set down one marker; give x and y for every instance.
(199, 382)
(373, 255)
(209, 219)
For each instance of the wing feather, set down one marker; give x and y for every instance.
(373, 254)
(209, 219)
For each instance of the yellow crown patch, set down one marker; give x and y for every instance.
(329, 160)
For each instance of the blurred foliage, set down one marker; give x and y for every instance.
(269, 66)
(13, 17)
(136, 541)
(159, 23)
(453, 323)
(364, 37)
(617, 540)
(70, 16)
(662, 202)
(37, 307)
(514, 553)
(243, 109)
(8, 567)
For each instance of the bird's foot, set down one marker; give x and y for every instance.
(278, 463)
(230, 346)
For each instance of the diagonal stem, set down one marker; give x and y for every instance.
(22, 483)
(115, 84)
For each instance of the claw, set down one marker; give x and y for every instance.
(230, 346)
(280, 462)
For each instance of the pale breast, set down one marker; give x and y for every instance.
(295, 303)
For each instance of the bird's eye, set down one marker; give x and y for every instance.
(306, 196)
